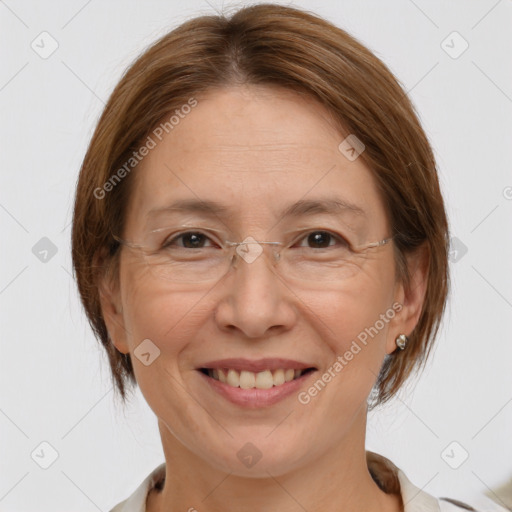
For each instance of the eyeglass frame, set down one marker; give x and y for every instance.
(276, 254)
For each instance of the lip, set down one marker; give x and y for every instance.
(256, 398)
(256, 365)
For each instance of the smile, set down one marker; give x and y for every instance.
(244, 379)
(255, 383)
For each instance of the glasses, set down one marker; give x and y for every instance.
(202, 255)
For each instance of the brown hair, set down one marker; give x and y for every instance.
(268, 44)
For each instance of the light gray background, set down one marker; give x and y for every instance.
(55, 381)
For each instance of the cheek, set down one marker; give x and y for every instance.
(349, 325)
(152, 310)
(354, 320)
(170, 320)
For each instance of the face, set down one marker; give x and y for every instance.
(257, 151)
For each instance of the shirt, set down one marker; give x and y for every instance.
(388, 477)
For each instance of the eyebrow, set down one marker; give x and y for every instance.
(329, 206)
(301, 208)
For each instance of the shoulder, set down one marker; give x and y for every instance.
(136, 502)
(392, 479)
(481, 504)
(419, 500)
(449, 504)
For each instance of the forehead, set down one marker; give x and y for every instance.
(257, 150)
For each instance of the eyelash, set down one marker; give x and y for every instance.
(167, 243)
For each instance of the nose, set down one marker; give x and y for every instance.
(254, 299)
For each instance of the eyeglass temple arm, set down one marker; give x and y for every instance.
(126, 242)
(376, 244)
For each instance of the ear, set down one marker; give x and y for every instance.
(110, 302)
(410, 296)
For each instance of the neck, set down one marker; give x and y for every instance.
(337, 480)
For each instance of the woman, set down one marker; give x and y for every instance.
(260, 241)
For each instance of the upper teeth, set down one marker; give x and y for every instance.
(248, 380)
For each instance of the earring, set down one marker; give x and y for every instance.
(401, 340)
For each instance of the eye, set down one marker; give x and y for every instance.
(322, 239)
(189, 240)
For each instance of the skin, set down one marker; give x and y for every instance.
(258, 149)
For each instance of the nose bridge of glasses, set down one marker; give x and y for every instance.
(250, 249)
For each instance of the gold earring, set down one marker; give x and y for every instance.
(401, 341)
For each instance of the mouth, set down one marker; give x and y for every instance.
(264, 379)
(255, 384)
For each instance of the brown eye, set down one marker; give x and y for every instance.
(323, 239)
(190, 240)
(320, 239)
